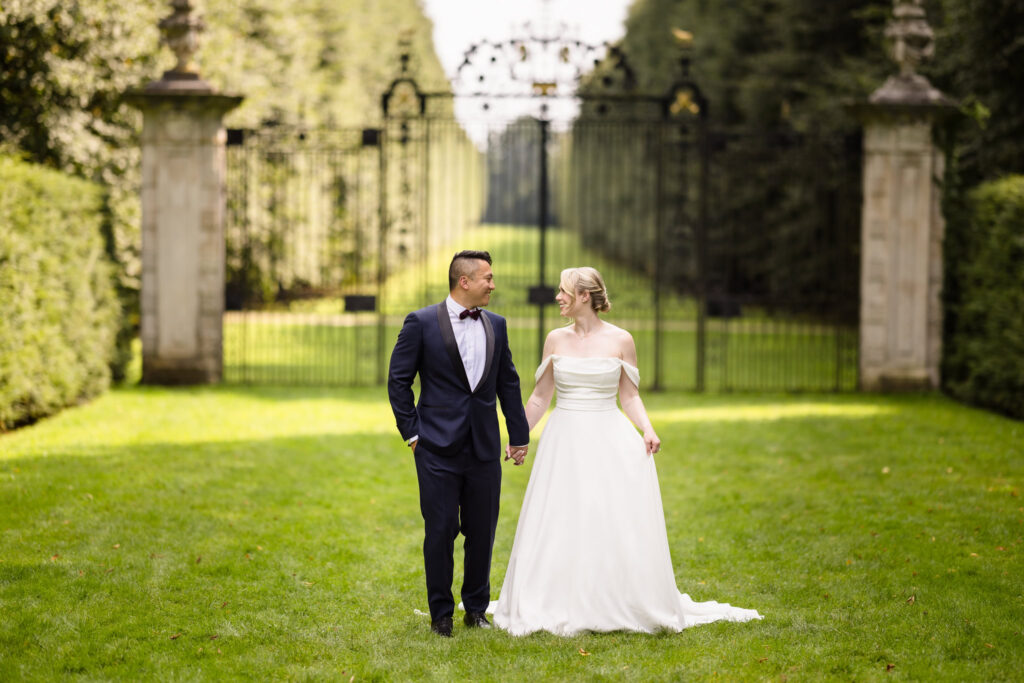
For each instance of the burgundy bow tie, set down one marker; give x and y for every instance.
(474, 314)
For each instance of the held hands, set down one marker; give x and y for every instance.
(652, 442)
(516, 454)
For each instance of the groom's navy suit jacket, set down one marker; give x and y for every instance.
(449, 412)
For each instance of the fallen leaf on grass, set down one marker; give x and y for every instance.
(54, 558)
(989, 645)
(763, 659)
(176, 636)
(890, 667)
(912, 599)
(248, 556)
(307, 583)
(584, 652)
(214, 637)
(974, 554)
(116, 546)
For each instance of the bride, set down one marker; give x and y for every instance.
(591, 551)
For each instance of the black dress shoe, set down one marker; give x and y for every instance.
(476, 620)
(442, 627)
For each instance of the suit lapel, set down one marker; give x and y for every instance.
(448, 337)
(489, 332)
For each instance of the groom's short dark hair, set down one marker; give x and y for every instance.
(462, 265)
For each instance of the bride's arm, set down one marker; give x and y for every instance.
(540, 399)
(629, 397)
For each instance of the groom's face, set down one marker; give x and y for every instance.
(481, 284)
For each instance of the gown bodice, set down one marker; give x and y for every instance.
(587, 383)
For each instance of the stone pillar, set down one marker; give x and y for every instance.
(183, 204)
(902, 225)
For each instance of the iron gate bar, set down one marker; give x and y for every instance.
(382, 231)
(702, 242)
(659, 259)
(542, 222)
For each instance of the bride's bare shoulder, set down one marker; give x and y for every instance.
(623, 342)
(558, 334)
(555, 339)
(618, 333)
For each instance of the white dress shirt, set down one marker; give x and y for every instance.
(471, 340)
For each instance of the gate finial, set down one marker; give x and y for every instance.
(912, 42)
(181, 33)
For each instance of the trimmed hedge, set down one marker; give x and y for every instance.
(59, 313)
(984, 352)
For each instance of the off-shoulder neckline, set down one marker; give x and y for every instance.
(548, 359)
(631, 370)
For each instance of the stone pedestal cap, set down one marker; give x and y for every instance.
(182, 85)
(906, 94)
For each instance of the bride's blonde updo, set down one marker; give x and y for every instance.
(586, 279)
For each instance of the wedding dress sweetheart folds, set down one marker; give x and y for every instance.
(591, 550)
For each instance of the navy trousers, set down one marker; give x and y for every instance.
(458, 493)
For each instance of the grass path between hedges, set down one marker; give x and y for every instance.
(274, 533)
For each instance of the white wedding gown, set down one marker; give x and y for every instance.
(591, 551)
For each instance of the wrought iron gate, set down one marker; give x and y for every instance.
(547, 154)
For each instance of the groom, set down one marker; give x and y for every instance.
(462, 356)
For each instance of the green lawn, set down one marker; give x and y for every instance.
(274, 534)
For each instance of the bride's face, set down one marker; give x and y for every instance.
(568, 306)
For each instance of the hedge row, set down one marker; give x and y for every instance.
(984, 354)
(59, 312)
